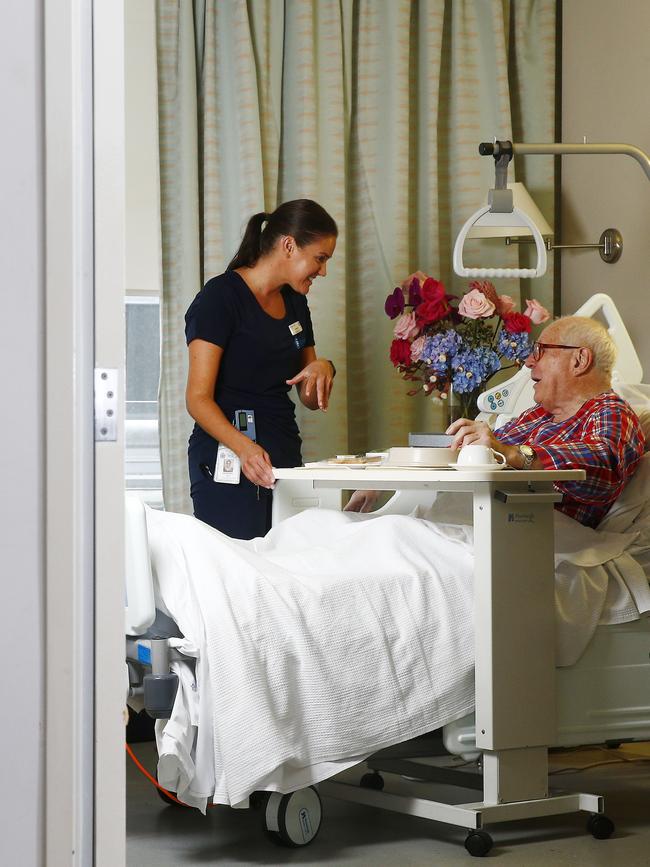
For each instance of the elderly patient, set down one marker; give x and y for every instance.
(577, 422)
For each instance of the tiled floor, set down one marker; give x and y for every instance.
(352, 834)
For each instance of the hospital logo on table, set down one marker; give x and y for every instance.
(521, 518)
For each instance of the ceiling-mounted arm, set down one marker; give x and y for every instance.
(558, 149)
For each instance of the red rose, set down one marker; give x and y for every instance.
(432, 290)
(515, 323)
(432, 311)
(400, 353)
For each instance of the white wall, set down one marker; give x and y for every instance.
(21, 434)
(143, 254)
(605, 96)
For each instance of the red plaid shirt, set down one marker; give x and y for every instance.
(604, 438)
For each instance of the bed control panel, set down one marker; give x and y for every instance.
(497, 399)
(509, 398)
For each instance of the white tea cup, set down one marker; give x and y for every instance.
(477, 455)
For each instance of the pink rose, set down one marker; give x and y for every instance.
(406, 327)
(535, 312)
(505, 305)
(416, 348)
(475, 305)
(485, 287)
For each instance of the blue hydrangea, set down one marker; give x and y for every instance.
(515, 347)
(472, 367)
(440, 348)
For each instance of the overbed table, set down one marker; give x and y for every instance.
(514, 615)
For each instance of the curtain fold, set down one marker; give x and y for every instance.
(181, 220)
(374, 108)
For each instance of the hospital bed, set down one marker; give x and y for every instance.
(601, 698)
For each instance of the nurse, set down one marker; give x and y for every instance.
(250, 339)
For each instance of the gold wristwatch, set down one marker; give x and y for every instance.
(528, 454)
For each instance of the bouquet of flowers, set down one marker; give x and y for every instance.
(445, 343)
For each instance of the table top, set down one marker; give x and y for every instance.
(357, 476)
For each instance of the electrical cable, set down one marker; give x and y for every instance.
(619, 759)
(153, 780)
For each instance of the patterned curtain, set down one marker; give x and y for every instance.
(374, 108)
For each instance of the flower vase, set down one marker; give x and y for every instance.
(462, 405)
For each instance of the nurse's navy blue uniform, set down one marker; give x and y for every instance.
(259, 354)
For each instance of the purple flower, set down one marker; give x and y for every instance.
(394, 305)
(414, 292)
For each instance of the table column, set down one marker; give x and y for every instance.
(514, 637)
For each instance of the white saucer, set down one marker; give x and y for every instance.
(470, 467)
(412, 466)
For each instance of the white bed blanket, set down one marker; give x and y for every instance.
(332, 637)
(304, 668)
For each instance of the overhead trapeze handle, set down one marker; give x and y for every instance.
(462, 271)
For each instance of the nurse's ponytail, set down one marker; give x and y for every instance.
(249, 249)
(304, 220)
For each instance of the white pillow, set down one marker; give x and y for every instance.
(638, 396)
(633, 505)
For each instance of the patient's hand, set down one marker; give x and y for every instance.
(362, 501)
(465, 432)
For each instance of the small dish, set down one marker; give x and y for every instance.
(482, 467)
(420, 457)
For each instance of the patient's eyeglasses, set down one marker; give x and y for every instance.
(539, 348)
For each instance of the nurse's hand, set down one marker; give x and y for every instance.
(465, 432)
(256, 465)
(314, 383)
(362, 501)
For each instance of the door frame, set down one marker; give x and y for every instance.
(84, 804)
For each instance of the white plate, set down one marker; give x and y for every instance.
(469, 467)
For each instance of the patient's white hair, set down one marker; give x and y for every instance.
(583, 331)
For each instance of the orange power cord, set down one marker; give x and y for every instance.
(153, 780)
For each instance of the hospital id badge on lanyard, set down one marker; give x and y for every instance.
(297, 333)
(228, 467)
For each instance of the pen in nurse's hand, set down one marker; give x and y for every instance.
(205, 469)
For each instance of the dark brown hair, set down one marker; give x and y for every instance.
(303, 219)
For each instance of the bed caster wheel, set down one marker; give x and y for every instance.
(478, 843)
(293, 820)
(372, 780)
(600, 826)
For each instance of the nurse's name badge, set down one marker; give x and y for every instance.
(298, 337)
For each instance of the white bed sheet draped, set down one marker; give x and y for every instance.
(332, 637)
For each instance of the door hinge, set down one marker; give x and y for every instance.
(105, 404)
